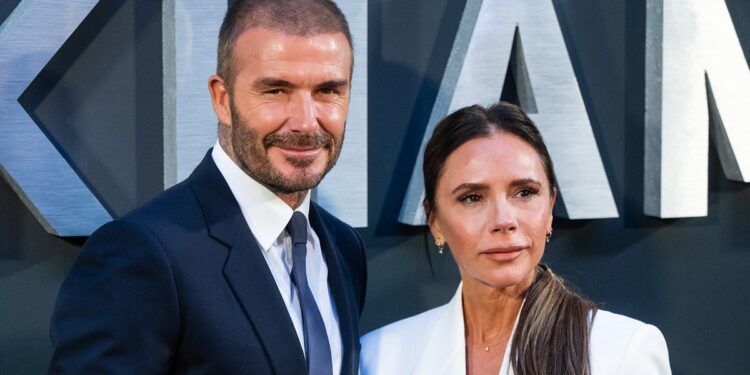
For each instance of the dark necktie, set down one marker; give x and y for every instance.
(316, 339)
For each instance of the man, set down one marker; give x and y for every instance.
(223, 273)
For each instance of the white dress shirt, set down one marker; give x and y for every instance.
(267, 216)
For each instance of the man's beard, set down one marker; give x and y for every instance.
(252, 154)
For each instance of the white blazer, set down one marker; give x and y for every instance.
(432, 343)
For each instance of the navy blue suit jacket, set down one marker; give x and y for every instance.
(180, 286)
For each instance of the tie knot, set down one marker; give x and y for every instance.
(297, 228)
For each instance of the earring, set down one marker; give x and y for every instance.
(440, 246)
(549, 234)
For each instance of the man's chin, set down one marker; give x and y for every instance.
(299, 173)
(291, 166)
(294, 180)
(289, 186)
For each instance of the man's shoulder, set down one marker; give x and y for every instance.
(338, 228)
(169, 227)
(349, 245)
(328, 217)
(161, 217)
(175, 205)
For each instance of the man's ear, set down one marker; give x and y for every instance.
(220, 99)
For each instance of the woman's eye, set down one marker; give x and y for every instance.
(527, 192)
(470, 198)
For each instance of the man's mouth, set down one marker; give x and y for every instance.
(299, 151)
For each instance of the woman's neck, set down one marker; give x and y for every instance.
(489, 316)
(489, 313)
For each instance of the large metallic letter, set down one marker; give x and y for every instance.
(190, 37)
(191, 29)
(694, 65)
(29, 161)
(489, 33)
(344, 190)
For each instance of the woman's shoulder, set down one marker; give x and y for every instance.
(394, 334)
(392, 346)
(611, 323)
(406, 326)
(623, 345)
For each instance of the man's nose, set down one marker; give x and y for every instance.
(303, 116)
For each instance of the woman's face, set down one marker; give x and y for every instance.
(493, 207)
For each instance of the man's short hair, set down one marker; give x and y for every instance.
(292, 17)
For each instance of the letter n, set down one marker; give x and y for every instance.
(696, 74)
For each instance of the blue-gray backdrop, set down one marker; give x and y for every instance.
(688, 276)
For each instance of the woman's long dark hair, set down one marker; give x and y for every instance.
(552, 336)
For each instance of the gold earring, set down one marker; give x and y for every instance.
(549, 234)
(440, 246)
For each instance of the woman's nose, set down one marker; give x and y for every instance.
(503, 218)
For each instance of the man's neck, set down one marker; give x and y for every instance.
(294, 200)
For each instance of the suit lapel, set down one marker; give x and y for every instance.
(444, 352)
(252, 282)
(340, 283)
(246, 270)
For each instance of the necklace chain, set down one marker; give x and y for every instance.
(487, 347)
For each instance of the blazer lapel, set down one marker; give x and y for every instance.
(246, 270)
(339, 281)
(252, 282)
(444, 352)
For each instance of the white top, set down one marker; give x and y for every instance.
(432, 343)
(267, 216)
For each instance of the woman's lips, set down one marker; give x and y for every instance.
(503, 254)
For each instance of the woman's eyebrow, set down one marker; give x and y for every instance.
(470, 186)
(525, 181)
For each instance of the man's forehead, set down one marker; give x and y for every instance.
(263, 33)
(262, 45)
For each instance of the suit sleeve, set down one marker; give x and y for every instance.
(646, 353)
(117, 310)
(362, 274)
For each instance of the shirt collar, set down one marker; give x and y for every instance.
(266, 214)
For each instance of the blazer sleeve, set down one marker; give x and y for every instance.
(362, 271)
(646, 353)
(352, 248)
(117, 310)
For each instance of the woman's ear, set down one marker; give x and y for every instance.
(435, 229)
(553, 197)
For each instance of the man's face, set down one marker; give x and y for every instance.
(288, 106)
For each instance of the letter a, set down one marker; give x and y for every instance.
(525, 35)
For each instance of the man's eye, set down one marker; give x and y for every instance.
(328, 91)
(275, 92)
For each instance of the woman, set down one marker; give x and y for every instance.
(489, 193)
